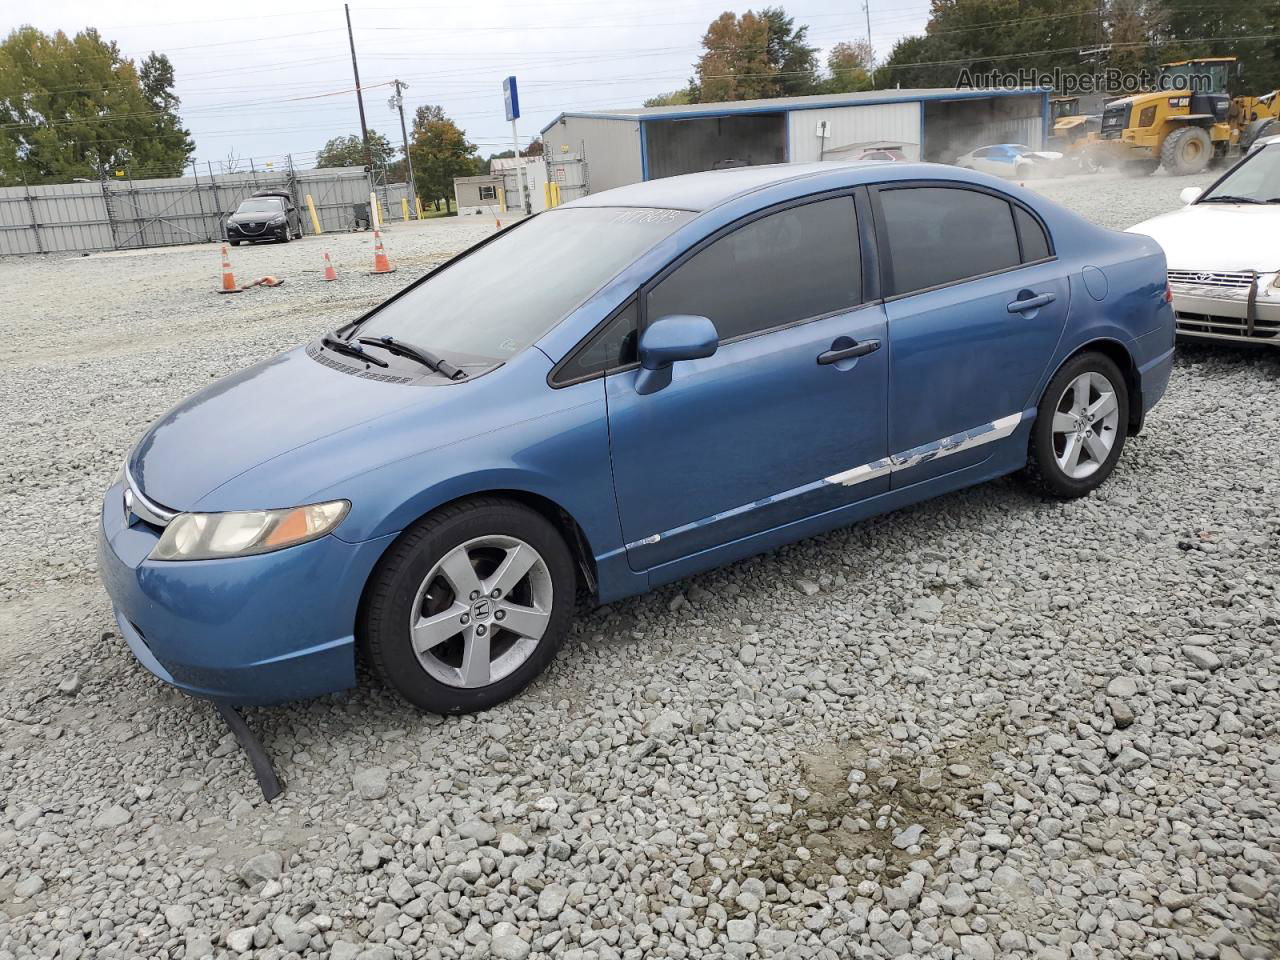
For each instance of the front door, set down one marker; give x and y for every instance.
(979, 303)
(786, 419)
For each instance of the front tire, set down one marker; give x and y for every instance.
(1080, 429)
(1186, 151)
(469, 605)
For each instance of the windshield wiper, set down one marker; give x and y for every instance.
(424, 357)
(351, 350)
(1229, 198)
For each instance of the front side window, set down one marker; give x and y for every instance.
(792, 265)
(939, 235)
(498, 299)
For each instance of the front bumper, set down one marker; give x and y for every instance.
(237, 232)
(244, 630)
(1238, 314)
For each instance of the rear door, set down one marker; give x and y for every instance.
(779, 424)
(977, 304)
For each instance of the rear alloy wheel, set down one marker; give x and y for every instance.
(470, 605)
(1080, 427)
(1186, 151)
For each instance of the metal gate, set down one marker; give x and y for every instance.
(569, 172)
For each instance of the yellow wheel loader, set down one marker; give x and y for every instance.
(1183, 130)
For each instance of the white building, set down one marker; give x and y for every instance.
(646, 143)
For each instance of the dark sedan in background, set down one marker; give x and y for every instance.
(267, 215)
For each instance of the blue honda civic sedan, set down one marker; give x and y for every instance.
(615, 394)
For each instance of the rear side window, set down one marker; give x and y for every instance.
(1035, 245)
(792, 265)
(940, 235)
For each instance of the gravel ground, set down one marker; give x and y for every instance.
(985, 726)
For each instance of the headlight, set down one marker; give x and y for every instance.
(278, 221)
(206, 536)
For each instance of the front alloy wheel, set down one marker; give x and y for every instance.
(469, 605)
(481, 611)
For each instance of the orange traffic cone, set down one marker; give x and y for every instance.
(228, 279)
(380, 262)
(329, 272)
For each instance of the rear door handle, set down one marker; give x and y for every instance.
(1031, 303)
(844, 353)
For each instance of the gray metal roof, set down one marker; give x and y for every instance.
(777, 104)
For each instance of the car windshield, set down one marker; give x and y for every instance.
(498, 299)
(261, 205)
(1256, 177)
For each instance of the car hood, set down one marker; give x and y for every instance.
(1218, 236)
(259, 414)
(1043, 155)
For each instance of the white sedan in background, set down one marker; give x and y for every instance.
(1223, 251)
(1016, 161)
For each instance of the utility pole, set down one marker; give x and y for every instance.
(397, 101)
(867, 9)
(355, 69)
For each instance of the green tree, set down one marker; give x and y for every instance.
(676, 98)
(441, 152)
(848, 67)
(1187, 24)
(754, 56)
(74, 107)
(349, 151)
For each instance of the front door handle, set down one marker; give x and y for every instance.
(1031, 303)
(836, 354)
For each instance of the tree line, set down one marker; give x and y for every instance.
(766, 54)
(73, 107)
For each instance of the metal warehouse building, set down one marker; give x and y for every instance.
(645, 143)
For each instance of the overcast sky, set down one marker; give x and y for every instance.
(260, 78)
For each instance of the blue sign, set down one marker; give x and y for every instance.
(511, 98)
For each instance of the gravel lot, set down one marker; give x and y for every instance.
(986, 726)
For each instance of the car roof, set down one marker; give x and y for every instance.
(702, 191)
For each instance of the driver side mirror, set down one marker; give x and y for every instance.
(1190, 194)
(667, 340)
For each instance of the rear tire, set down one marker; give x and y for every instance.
(1080, 429)
(1186, 151)
(433, 627)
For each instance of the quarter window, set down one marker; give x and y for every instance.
(1035, 245)
(799, 263)
(939, 235)
(610, 348)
